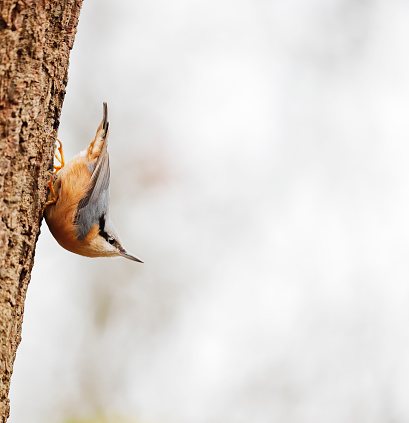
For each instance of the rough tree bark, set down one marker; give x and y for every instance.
(36, 37)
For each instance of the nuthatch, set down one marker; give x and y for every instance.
(77, 210)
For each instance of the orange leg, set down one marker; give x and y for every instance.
(50, 183)
(54, 197)
(61, 158)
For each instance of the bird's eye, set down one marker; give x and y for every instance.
(111, 240)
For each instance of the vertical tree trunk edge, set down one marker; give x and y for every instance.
(36, 38)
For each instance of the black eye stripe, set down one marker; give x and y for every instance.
(102, 223)
(102, 227)
(104, 234)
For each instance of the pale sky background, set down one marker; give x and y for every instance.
(259, 166)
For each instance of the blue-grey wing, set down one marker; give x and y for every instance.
(96, 201)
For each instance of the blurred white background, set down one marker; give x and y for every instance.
(259, 157)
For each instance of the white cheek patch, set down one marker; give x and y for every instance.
(103, 248)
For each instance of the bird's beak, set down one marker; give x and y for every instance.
(130, 256)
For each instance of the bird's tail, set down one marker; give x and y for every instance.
(101, 137)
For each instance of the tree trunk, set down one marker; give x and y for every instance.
(36, 37)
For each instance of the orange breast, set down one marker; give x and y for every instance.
(71, 185)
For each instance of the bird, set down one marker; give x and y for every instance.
(77, 207)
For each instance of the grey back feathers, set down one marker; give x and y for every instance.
(96, 201)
